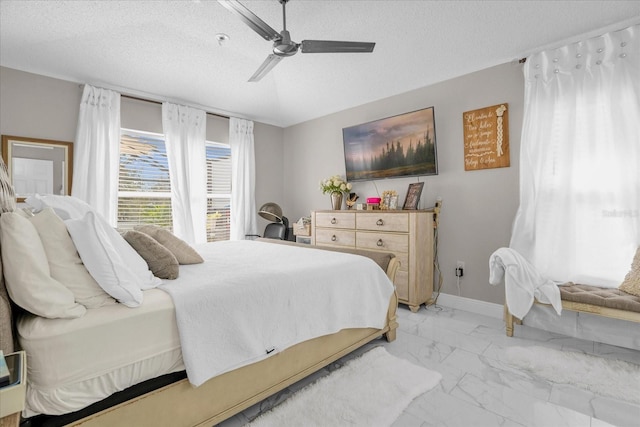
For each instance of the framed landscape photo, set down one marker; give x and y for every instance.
(413, 196)
(397, 146)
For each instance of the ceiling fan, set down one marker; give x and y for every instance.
(282, 44)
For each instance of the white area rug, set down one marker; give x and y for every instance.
(371, 390)
(605, 377)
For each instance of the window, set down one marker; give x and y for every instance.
(218, 191)
(578, 219)
(144, 192)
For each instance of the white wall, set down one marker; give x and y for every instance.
(38, 107)
(478, 206)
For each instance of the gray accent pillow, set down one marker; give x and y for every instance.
(184, 253)
(161, 261)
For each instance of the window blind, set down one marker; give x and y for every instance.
(218, 191)
(144, 191)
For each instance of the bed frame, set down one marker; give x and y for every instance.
(181, 404)
(612, 303)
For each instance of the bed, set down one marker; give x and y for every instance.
(117, 365)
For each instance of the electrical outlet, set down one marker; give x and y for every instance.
(459, 268)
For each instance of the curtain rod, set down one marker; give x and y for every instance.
(160, 103)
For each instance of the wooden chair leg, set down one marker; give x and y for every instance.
(508, 318)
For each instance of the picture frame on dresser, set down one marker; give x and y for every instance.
(413, 196)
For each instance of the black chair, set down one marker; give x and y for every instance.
(279, 228)
(275, 230)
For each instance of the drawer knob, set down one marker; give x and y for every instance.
(380, 222)
(379, 242)
(334, 221)
(334, 238)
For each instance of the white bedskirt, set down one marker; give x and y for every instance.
(73, 363)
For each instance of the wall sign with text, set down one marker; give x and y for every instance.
(486, 138)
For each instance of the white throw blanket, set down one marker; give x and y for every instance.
(250, 299)
(522, 282)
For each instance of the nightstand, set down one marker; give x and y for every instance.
(12, 396)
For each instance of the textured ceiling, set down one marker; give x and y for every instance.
(167, 50)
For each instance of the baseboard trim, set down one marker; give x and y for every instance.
(472, 305)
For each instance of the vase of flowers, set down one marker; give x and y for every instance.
(336, 201)
(336, 186)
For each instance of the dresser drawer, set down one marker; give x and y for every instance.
(336, 219)
(345, 238)
(396, 222)
(395, 243)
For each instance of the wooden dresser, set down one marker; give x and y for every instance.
(408, 234)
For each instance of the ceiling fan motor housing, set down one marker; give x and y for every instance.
(284, 46)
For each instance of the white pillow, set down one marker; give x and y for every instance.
(68, 207)
(27, 274)
(104, 260)
(65, 263)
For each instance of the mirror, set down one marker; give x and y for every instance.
(40, 166)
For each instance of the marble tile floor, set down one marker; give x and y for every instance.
(478, 388)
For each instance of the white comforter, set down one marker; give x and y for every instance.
(250, 299)
(522, 281)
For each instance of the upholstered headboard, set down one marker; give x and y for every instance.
(7, 204)
(6, 318)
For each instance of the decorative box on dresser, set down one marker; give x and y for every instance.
(406, 233)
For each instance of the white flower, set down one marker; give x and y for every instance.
(333, 184)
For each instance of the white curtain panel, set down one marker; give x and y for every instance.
(185, 136)
(243, 180)
(579, 214)
(97, 151)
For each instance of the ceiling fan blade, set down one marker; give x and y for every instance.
(267, 65)
(327, 46)
(249, 18)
